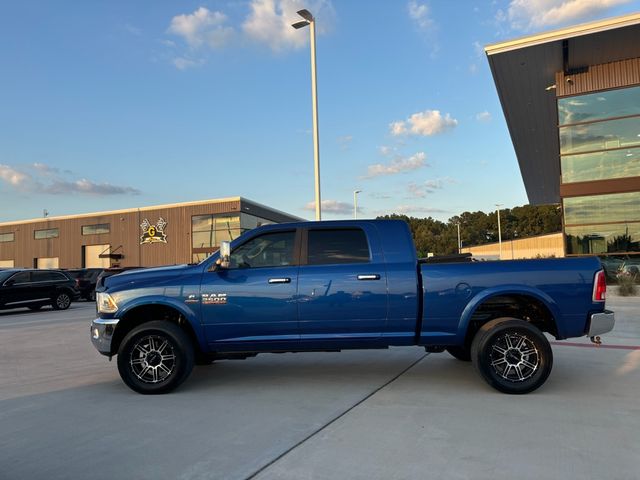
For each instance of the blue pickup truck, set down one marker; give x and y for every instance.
(329, 286)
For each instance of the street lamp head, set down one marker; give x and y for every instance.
(298, 25)
(357, 191)
(306, 14)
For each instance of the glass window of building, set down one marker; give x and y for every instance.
(602, 224)
(207, 231)
(7, 237)
(96, 229)
(599, 135)
(47, 233)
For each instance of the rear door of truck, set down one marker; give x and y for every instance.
(342, 286)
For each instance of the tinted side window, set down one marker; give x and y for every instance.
(268, 250)
(329, 246)
(22, 277)
(41, 276)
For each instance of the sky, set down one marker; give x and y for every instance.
(120, 104)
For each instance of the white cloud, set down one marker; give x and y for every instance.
(397, 165)
(12, 176)
(483, 117)
(332, 206)
(43, 178)
(421, 190)
(345, 141)
(427, 123)
(536, 14)
(270, 22)
(202, 28)
(406, 209)
(419, 13)
(182, 63)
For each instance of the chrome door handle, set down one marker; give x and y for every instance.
(279, 280)
(369, 277)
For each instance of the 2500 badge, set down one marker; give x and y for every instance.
(214, 298)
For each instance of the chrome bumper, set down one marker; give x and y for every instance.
(600, 323)
(101, 334)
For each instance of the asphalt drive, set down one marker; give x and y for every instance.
(387, 414)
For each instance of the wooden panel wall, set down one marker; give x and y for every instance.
(125, 233)
(600, 77)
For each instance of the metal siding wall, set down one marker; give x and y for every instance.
(125, 231)
(600, 77)
(543, 245)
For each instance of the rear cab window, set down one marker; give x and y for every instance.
(332, 246)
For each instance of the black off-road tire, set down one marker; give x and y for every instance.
(61, 301)
(512, 355)
(155, 357)
(461, 353)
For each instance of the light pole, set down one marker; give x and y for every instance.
(459, 244)
(499, 230)
(309, 20)
(355, 203)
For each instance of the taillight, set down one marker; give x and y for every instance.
(600, 287)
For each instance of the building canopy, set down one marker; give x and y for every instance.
(524, 71)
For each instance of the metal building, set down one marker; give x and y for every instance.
(148, 236)
(571, 99)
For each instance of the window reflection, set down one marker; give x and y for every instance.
(601, 165)
(597, 239)
(598, 106)
(600, 136)
(617, 207)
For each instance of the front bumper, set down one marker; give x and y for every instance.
(600, 323)
(102, 333)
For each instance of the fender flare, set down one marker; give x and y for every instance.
(162, 301)
(524, 290)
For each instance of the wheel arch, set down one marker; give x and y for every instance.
(142, 313)
(529, 304)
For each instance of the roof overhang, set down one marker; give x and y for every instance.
(524, 68)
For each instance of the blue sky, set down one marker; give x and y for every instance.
(119, 104)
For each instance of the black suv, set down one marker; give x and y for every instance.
(36, 288)
(85, 281)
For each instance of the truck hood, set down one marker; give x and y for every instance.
(148, 276)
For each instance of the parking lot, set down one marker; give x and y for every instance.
(387, 414)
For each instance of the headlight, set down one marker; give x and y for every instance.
(105, 303)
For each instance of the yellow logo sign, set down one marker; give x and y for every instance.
(153, 233)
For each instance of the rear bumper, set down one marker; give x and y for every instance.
(600, 323)
(102, 333)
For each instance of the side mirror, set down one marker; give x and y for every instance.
(225, 253)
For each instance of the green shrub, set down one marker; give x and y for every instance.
(627, 287)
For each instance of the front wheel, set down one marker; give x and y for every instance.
(155, 357)
(512, 355)
(62, 301)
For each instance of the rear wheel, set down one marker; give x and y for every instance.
(62, 301)
(461, 353)
(155, 357)
(512, 355)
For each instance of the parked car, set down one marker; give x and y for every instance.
(337, 285)
(629, 272)
(108, 272)
(36, 288)
(86, 279)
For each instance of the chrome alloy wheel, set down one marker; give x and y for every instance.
(514, 357)
(153, 359)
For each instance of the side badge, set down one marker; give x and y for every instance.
(214, 298)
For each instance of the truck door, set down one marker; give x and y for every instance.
(342, 286)
(251, 305)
